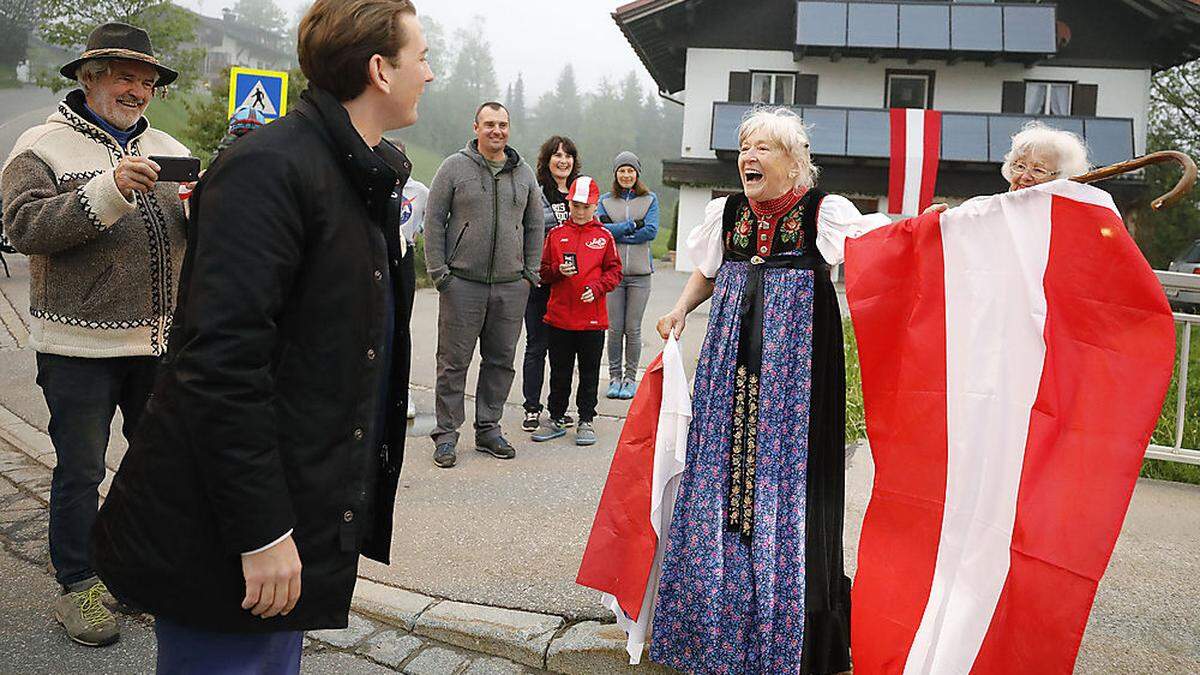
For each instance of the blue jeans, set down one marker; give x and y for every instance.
(82, 395)
(188, 651)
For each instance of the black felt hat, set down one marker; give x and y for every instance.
(120, 41)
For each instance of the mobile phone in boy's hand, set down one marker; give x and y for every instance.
(177, 169)
(570, 259)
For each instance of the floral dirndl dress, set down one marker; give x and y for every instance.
(753, 578)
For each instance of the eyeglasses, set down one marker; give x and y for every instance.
(1037, 172)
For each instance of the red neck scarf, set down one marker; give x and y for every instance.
(772, 209)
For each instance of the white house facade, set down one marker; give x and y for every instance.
(1080, 65)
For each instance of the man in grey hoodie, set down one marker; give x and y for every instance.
(483, 246)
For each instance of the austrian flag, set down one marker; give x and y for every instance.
(1015, 354)
(916, 145)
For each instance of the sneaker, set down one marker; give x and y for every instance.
(497, 447)
(614, 389)
(552, 429)
(444, 455)
(585, 434)
(86, 619)
(533, 420)
(628, 389)
(567, 421)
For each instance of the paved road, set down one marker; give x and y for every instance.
(511, 534)
(20, 109)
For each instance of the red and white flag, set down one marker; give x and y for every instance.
(624, 552)
(916, 146)
(1015, 355)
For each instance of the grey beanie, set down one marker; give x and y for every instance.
(627, 158)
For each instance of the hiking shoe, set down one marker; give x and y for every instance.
(614, 389)
(533, 420)
(497, 447)
(86, 619)
(628, 389)
(585, 434)
(444, 455)
(114, 605)
(552, 429)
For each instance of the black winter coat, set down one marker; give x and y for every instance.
(266, 415)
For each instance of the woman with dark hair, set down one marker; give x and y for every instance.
(557, 166)
(630, 212)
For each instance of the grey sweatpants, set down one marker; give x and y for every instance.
(626, 306)
(490, 315)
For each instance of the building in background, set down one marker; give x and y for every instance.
(228, 41)
(989, 67)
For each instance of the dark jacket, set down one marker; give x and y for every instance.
(271, 411)
(483, 227)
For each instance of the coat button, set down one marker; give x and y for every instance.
(348, 516)
(370, 354)
(378, 275)
(359, 434)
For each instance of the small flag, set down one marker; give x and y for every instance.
(916, 146)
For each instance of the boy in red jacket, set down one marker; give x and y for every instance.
(581, 266)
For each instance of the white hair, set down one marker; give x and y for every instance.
(784, 128)
(1068, 151)
(91, 70)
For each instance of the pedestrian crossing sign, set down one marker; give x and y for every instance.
(263, 90)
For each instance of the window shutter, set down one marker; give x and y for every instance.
(806, 90)
(1083, 100)
(739, 87)
(1012, 100)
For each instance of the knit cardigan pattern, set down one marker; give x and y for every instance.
(103, 269)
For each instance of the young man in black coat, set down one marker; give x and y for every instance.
(268, 456)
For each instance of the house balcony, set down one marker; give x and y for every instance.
(865, 133)
(988, 31)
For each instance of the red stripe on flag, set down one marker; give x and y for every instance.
(620, 550)
(896, 166)
(904, 390)
(1110, 343)
(929, 160)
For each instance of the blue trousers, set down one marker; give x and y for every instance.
(83, 395)
(188, 651)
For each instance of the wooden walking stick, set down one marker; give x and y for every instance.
(1185, 184)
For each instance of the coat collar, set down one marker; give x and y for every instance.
(71, 112)
(375, 173)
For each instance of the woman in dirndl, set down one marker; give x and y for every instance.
(753, 578)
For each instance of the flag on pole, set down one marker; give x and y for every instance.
(916, 142)
(1015, 355)
(624, 552)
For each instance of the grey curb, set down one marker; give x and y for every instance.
(541, 641)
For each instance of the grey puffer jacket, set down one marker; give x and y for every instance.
(482, 227)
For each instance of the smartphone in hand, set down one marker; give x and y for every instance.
(177, 169)
(569, 258)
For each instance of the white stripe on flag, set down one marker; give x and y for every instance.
(914, 159)
(995, 352)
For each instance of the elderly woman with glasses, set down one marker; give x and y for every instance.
(1040, 153)
(753, 580)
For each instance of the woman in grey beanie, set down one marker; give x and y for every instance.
(630, 212)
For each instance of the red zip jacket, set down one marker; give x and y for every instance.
(599, 269)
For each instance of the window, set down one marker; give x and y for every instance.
(1047, 98)
(909, 89)
(773, 88)
(215, 62)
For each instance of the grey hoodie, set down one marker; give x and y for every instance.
(482, 227)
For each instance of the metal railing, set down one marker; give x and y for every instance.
(1183, 290)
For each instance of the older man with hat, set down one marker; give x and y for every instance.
(105, 242)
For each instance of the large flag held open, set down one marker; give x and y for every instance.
(1015, 355)
(916, 147)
